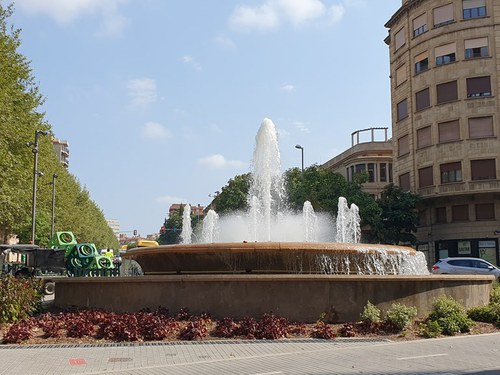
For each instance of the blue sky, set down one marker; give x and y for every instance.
(161, 100)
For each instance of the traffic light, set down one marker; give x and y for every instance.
(135, 232)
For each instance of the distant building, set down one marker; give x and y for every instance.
(115, 226)
(195, 210)
(62, 151)
(371, 153)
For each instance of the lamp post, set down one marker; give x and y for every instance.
(302, 152)
(36, 173)
(54, 177)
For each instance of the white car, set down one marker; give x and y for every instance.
(465, 266)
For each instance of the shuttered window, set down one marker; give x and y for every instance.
(485, 211)
(440, 215)
(483, 169)
(402, 109)
(401, 75)
(473, 8)
(443, 15)
(445, 54)
(451, 172)
(421, 62)
(420, 25)
(460, 213)
(403, 145)
(422, 100)
(476, 48)
(449, 131)
(399, 39)
(424, 138)
(447, 92)
(425, 177)
(404, 181)
(481, 127)
(478, 87)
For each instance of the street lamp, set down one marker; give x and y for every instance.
(54, 176)
(36, 173)
(302, 152)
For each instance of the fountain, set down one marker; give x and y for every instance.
(270, 239)
(299, 265)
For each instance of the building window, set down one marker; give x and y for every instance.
(440, 215)
(445, 54)
(485, 211)
(449, 131)
(383, 172)
(474, 8)
(425, 177)
(422, 100)
(401, 76)
(421, 62)
(451, 172)
(443, 15)
(475, 48)
(360, 168)
(420, 25)
(371, 172)
(481, 127)
(403, 145)
(478, 87)
(424, 137)
(447, 92)
(399, 39)
(404, 181)
(402, 109)
(460, 213)
(483, 169)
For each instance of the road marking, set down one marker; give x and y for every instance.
(422, 356)
(268, 373)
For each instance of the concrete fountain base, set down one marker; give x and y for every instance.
(297, 297)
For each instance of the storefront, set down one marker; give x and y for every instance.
(484, 248)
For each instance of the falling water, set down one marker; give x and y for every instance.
(310, 222)
(186, 225)
(348, 223)
(211, 228)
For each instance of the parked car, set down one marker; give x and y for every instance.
(465, 266)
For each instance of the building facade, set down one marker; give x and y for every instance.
(370, 153)
(445, 71)
(62, 151)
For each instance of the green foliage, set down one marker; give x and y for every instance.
(431, 329)
(173, 229)
(233, 196)
(20, 117)
(370, 314)
(450, 315)
(399, 217)
(19, 298)
(495, 293)
(489, 313)
(400, 316)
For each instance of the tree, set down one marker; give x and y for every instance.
(234, 196)
(20, 117)
(172, 229)
(399, 217)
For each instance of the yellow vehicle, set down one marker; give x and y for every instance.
(146, 243)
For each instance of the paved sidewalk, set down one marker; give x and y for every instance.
(458, 355)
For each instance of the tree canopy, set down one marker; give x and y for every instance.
(20, 118)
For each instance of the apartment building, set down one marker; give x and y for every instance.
(444, 72)
(370, 153)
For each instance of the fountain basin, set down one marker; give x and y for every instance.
(279, 257)
(297, 297)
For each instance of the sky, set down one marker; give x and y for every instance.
(161, 100)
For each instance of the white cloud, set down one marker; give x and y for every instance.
(336, 12)
(224, 41)
(142, 92)
(66, 11)
(272, 13)
(302, 127)
(191, 61)
(218, 161)
(112, 24)
(288, 88)
(155, 131)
